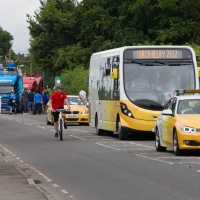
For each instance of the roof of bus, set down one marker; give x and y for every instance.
(116, 51)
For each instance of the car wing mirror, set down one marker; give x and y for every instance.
(167, 112)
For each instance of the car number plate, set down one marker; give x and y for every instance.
(72, 116)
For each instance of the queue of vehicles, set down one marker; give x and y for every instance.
(121, 101)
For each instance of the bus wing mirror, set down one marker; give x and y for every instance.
(114, 74)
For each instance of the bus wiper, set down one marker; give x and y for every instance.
(160, 62)
(156, 106)
(134, 61)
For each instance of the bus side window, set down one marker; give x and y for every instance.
(108, 67)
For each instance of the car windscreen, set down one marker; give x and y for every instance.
(189, 106)
(75, 100)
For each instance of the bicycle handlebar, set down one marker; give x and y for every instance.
(65, 111)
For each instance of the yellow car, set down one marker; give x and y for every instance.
(79, 112)
(178, 125)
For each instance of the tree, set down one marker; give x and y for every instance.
(73, 81)
(5, 42)
(52, 28)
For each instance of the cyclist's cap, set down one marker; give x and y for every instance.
(12, 90)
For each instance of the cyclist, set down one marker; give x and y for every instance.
(56, 101)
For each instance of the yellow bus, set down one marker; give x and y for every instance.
(129, 86)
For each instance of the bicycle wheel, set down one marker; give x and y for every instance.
(61, 130)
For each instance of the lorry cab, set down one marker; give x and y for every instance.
(10, 80)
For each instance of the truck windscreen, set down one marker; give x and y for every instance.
(5, 89)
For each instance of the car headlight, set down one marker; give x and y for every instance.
(186, 129)
(85, 112)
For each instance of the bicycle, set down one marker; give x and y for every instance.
(61, 121)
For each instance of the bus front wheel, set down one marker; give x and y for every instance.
(122, 134)
(99, 131)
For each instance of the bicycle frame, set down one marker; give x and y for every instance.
(61, 121)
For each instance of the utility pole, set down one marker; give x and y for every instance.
(31, 67)
(10, 50)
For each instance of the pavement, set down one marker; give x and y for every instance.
(15, 185)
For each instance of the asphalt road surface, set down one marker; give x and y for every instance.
(85, 166)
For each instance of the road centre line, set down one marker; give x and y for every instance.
(18, 121)
(142, 145)
(154, 159)
(41, 127)
(28, 124)
(55, 185)
(108, 147)
(64, 192)
(77, 137)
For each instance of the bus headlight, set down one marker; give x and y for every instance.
(125, 110)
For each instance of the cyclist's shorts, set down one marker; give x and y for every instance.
(56, 114)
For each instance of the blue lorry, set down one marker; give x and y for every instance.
(10, 80)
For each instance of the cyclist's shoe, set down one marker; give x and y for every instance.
(56, 135)
(65, 125)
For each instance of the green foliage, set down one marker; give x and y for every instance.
(73, 81)
(65, 33)
(5, 42)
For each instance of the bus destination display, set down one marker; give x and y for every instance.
(158, 54)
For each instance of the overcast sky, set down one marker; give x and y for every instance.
(13, 20)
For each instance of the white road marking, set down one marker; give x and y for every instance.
(30, 181)
(17, 158)
(41, 127)
(136, 149)
(21, 161)
(55, 185)
(64, 192)
(108, 146)
(198, 170)
(28, 124)
(77, 137)
(142, 145)
(175, 158)
(3, 158)
(154, 159)
(18, 121)
(189, 162)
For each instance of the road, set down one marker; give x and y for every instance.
(85, 166)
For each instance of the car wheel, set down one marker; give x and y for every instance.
(177, 151)
(122, 134)
(157, 142)
(99, 131)
(48, 122)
